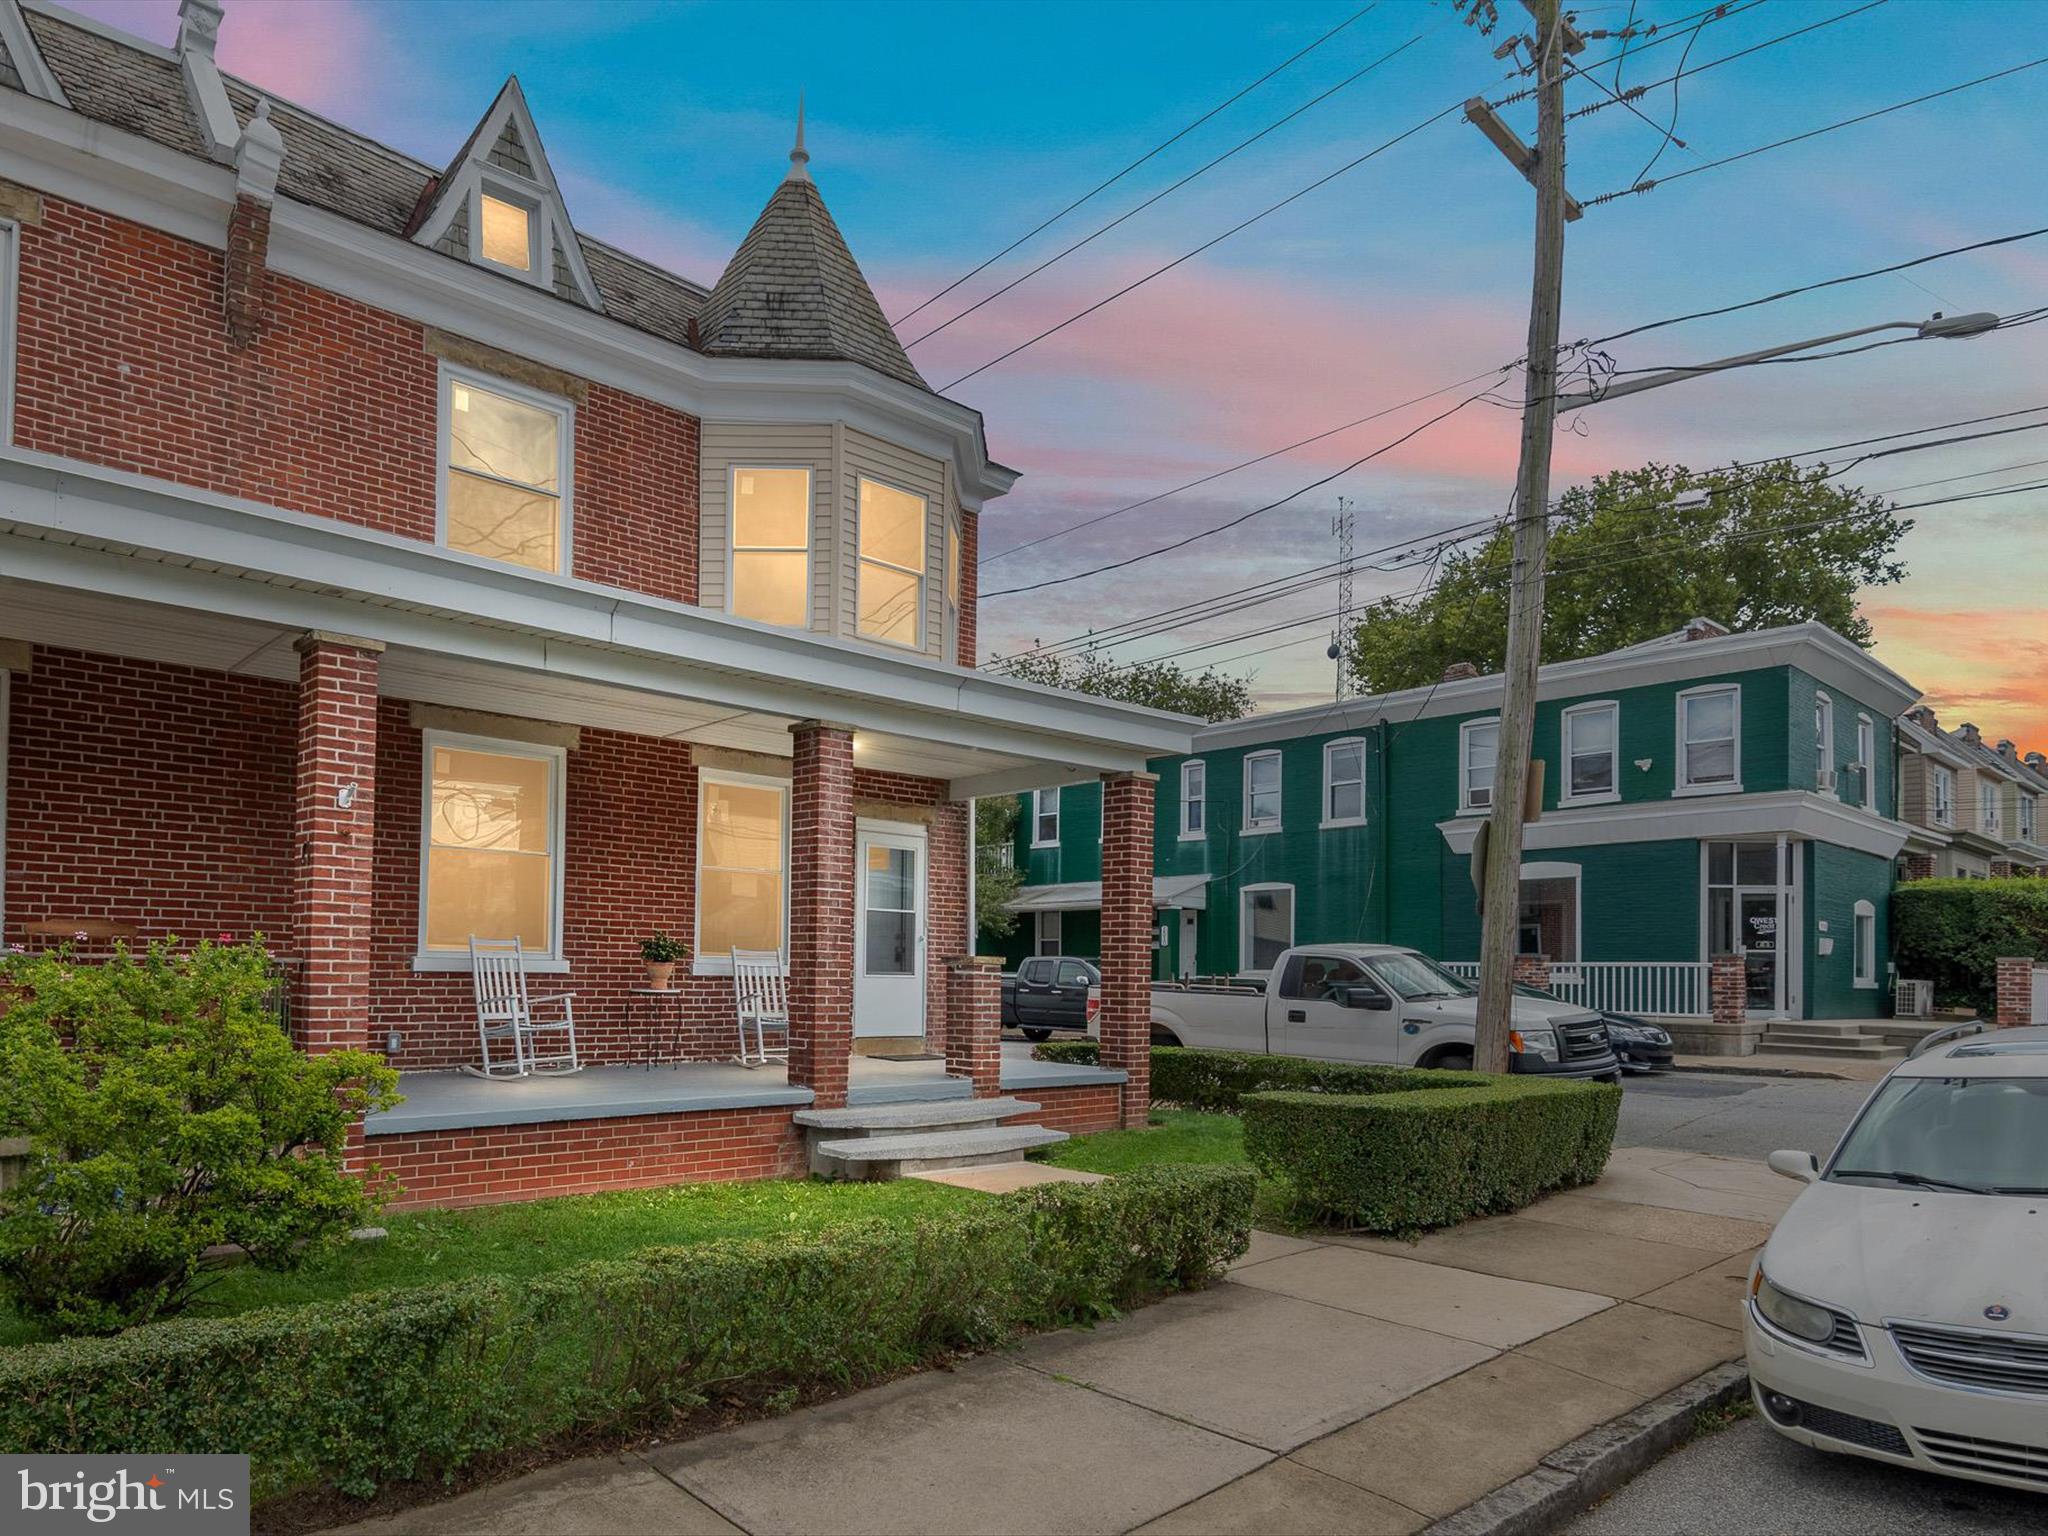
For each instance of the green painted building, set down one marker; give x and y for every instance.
(1704, 793)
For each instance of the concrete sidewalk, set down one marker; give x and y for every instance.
(1341, 1384)
(1846, 1069)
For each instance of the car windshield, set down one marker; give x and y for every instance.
(1411, 976)
(1984, 1135)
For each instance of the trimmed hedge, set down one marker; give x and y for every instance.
(1216, 1080)
(1953, 932)
(418, 1383)
(1396, 1161)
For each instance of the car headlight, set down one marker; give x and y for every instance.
(1801, 1319)
(1534, 1042)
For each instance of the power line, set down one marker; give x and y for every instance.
(1165, 192)
(1975, 474)
(1670, 31)
(1149, 154)
(1814, 133)
(1270, 208)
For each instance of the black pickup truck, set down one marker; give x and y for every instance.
(1050, 992)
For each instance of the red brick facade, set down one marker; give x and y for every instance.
(492, 1164)
(821, 896)
(1728, 989)
(1127, 919)
(970, 588)
(2015, 991)
(334, 804)
(1531, 971)
(1079, 1109)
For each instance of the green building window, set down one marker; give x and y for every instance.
(1262, 792)
(1478, 752)
(1344, 783)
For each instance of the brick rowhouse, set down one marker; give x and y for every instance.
(821, 900)
(1127, 918)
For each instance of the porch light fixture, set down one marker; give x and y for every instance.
(345, 797)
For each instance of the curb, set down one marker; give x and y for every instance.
(1747, 1070)
(1577, 1475)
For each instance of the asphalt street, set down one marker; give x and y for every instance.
(1746, 1481)
(1736, 1116)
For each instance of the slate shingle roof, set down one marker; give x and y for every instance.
(794, 290)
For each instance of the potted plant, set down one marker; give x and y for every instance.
(661, 954)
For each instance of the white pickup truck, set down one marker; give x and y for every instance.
(1373, 1003)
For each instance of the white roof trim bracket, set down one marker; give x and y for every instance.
(474, 172)
(21, 47)
(212, 114)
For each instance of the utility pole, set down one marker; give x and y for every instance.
(1501, 889)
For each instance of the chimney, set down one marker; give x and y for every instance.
(1704, 629)
(245, 273)
(2037, 762)
(2008, 751)
(198, 34)
(1458, 671)
(1970, 733)
(1922, 716)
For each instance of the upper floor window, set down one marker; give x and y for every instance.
(1987, 805)
(953, 587)
(506, 233)
(1942, 787)
(505, 472)
(1592, 746)
(1709, 739)
(1343, 783)
(1194, 791)
(1866, 750)
(1045, 817)
(742, 867)
(771, 546)
(2026, 827)
(1823, 742)
(491, 846)
(1262, 792)
(892, 564)
(1478, 753)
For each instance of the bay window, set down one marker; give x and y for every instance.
(1592, 747)
(1709, 746)
(742, 866)
(504, 472)
(491, 845)
(1478, 753)
(892, 564)
(771, 546)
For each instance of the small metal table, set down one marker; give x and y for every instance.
(655, 996)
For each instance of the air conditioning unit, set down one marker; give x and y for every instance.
(1824, 780)
(1853, 783)
(1912, 999)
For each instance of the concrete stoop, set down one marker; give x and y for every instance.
(1857, 1041)
(888, 1141)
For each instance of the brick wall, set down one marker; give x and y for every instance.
(1127, 919)
(1078, 1110)
(333, 891)
(155, 795)
(493, 1164)
(125, 360)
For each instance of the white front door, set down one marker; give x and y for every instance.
(888, 935)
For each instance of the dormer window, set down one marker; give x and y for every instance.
(893, 536)
(505, 234)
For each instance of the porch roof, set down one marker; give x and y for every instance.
(1188, 892)
(102, 559)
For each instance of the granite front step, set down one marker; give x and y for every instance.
(1875, 1050)
(907, 1117)
(889, 1157)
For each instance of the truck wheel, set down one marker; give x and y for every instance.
(1459, 1060)
(1037, 1034)
(1164, 1036)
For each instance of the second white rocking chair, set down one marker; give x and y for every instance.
(505, 1011)
(760, 990)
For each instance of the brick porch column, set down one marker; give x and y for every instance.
(821, 893)
(2015, 991)
(1531, 971)
(1127, 919)
(974, 1022)
(1728, 990)
(333, 822)
(1916, 866)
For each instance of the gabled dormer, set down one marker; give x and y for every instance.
(498, 205)
(21, 61)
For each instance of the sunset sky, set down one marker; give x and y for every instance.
(940, 132)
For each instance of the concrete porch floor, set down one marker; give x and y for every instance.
(452, 1100)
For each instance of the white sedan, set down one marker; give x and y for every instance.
(1900, 1310)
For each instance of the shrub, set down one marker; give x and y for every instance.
(1467, 1145)
(1216, 1080)
(416, 1384)
(1952, 933)
(166, 1111)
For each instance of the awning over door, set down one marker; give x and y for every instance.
(1189, 892)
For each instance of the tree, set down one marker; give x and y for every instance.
(1208, 695)
(995, 878)
(1636, 553)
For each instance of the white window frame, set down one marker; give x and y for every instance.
(1863, 945)
(10, 261)
(1680, 784)
(518, 193)
(555, 961)
(1244, 922)
(702, 964)
(1249, 827)
(1941, 794)
(733, 547)
(1824, 767)
(1044, 925)
(1988, 818)
(565, 452)
(953, 584)
(1609, 795)
(1038, 812)
(1866, 750)
(2028, 814)
(1195, 798)
(1330, 819)
(1465, 800)
(861, 561)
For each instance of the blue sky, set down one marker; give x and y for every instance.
(940, 132)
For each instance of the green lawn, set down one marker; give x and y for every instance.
(1174, 1136)
(536, 1236)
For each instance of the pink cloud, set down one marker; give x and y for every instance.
(1977, 664)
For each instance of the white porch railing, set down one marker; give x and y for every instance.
(1676, 988)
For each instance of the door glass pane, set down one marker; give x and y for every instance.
(1720, 863)
(891, 873)
(1756, 863)
(1721, 922)
(890, 940)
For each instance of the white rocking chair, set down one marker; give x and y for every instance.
(761, 998)
(505, 1011)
